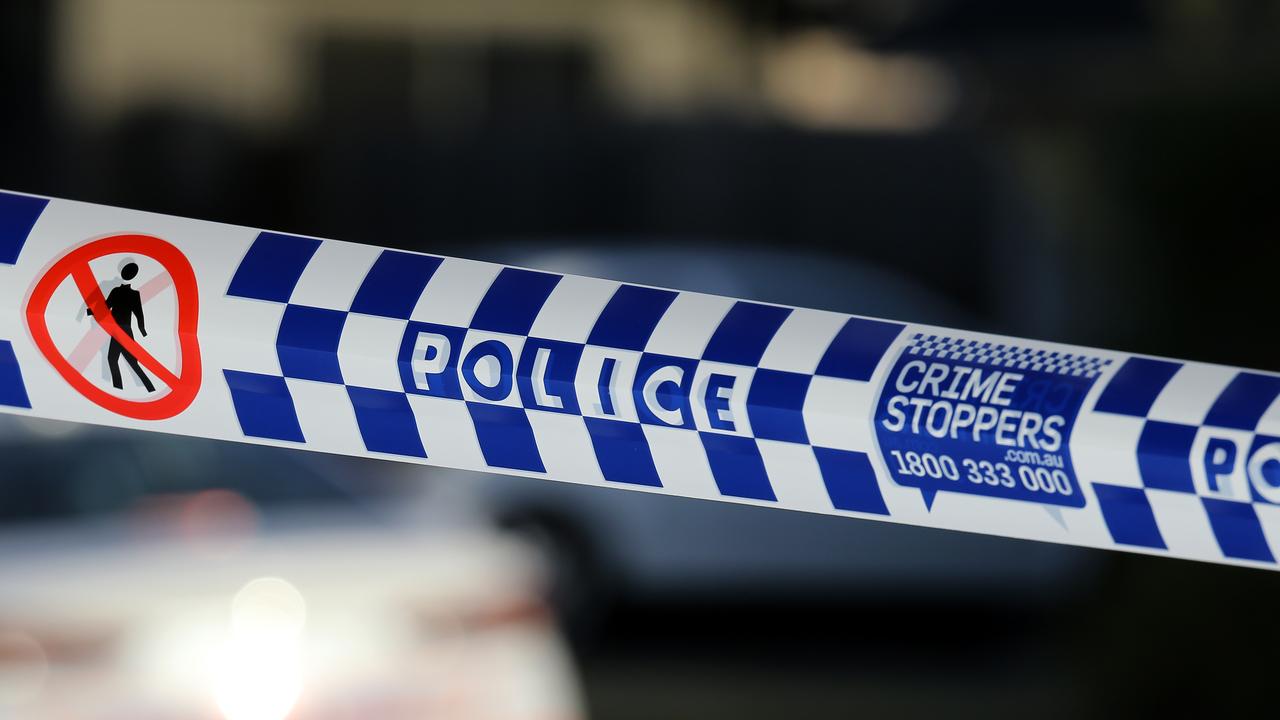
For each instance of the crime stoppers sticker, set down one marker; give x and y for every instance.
(985, 418)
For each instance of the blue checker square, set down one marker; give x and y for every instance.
(13, 392)
(1128, 515)
(1268, 467)
(272, 267)
(850, 480)
(264, 406)
(744, 333)
(386, 422)
(623, 452)
(1164, 456)
(1243, 402)
(737, 467)
(775, 405)
(308, 343)
(393, 285)
(513, 301)
(629, 318)
(506, 437)
(18, 214)
(1238, 530)
(857, 348)
(499, 351)
(422, 344)
(1135, 386)
(546, 373)
(670, 405)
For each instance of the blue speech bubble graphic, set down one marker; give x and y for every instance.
(984, 418)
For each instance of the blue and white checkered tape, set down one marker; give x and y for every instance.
(343, 348)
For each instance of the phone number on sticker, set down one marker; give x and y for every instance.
(1040, 479)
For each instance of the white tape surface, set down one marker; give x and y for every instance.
(152, 322)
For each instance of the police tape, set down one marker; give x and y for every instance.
(132, 319)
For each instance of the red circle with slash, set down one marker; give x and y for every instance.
(184, 384)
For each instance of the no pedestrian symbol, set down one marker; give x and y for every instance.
(114, 313)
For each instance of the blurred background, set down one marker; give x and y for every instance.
(1099, 173)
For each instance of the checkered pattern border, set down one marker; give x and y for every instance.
(591, 337)
(1207, 445)
(1007, 355)
(18, 214)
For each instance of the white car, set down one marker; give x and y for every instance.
(153, 577)
(315, 623)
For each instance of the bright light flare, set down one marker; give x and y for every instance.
(257, 673)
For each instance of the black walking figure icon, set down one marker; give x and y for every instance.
(124, 302)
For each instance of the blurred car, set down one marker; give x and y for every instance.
(311, 624)
(183, 578)
(606, 543)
